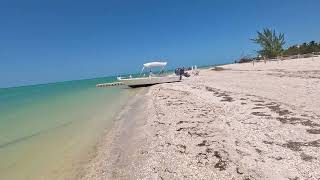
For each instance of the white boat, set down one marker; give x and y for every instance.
(152, 78)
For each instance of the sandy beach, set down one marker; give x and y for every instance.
(243, 122)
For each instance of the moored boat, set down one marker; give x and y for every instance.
(152, 78)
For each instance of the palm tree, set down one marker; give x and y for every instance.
(270, 42)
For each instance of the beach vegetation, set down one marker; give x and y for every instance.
(270, 42)
(304, 48)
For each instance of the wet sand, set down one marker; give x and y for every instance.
(244, 122)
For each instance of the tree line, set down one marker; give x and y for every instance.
(304, 48)
(272, 45)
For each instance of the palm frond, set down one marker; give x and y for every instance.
(271, 44)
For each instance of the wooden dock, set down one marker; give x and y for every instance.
(110, 84)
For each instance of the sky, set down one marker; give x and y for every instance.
(59, 40)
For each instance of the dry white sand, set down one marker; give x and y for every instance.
(245, 122)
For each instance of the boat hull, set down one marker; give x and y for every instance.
(148, 81)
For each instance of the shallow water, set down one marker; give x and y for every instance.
(47, 131)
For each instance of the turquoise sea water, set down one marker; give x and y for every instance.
(47, 131)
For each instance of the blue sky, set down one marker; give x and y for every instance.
(57, 40)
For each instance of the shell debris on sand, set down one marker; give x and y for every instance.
(246, 122)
